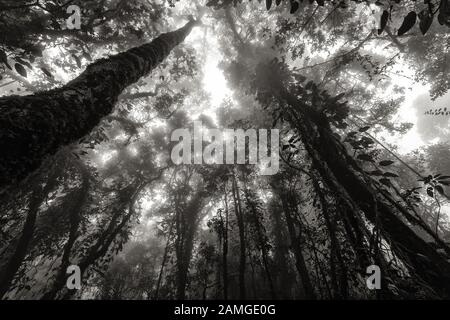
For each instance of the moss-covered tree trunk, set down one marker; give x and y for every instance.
(35, 126)
(347, 180)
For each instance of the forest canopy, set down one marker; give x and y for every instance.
(91, 93)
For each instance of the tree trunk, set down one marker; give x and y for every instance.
(340, 287)
(35, 126)
(164, 260)
(22, 247)
(281, 255)
(104, 241)
(296, 247)
(189, 218)
(76, 207)
(38, 195)
(225, 250)
(260, 234)
(241, 227)
(344, 177)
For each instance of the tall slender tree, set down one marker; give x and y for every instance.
(35, 126)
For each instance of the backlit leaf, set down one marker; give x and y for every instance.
(383, 21)
(425, 22)
(20, 70)
(408, 23)
(386, 163)
(294, 6)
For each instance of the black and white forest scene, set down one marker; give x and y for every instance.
(225, 150)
